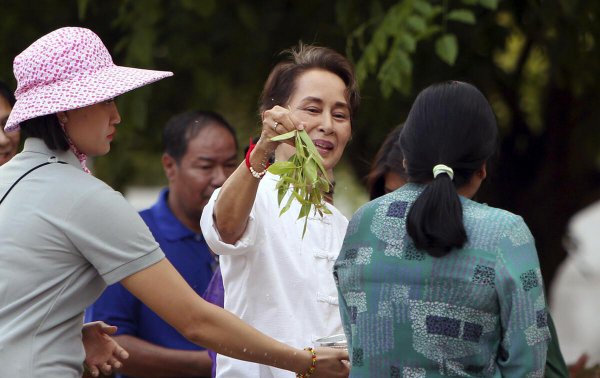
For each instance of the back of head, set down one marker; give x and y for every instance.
(183, 127)
(280, 84)
(452, 124)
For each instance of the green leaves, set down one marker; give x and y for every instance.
(446, 47)
(489, 4)
(462, 15)
(396, 32)
(285, 136)
(303, 176)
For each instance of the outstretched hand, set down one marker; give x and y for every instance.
(102, 352)
(331, 363)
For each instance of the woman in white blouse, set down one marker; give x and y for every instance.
(275, 279)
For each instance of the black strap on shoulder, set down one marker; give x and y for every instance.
(25, 174)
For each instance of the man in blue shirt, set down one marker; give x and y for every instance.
(200, 152)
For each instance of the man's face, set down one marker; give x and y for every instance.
(210, 158)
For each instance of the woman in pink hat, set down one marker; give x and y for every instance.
(102, 353)
(65, 235)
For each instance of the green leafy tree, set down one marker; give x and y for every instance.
(538, 64)
(393, 37)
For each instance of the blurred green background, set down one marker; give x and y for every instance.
(538, 62)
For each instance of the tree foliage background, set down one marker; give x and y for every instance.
(538, 62)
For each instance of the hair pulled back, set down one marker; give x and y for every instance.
(388, 160)
(281, 83)
(48, 129)
(453, 124)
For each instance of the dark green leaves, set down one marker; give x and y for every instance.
(392, 36)
(462, 15)
(489, 4)
(446, 47)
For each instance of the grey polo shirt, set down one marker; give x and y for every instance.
(64, 236)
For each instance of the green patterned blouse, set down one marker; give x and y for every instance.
(477, 312)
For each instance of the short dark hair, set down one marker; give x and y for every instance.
(388, 159)
(183, 127)
(48, 129)
(453, 124)
(281, 83)
(7, 93)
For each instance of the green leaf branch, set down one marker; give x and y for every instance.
(303, 176)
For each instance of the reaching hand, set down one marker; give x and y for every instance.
(331, 363)
(102, 352)
(578, 366)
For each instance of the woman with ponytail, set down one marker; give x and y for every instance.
(432, 283)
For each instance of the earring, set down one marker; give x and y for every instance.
(62, 119)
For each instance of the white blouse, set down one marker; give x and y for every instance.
(277, 281)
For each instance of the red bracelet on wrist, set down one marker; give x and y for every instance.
(253, 172)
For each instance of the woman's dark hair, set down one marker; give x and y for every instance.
(7, 94)
(452, 124)
(46, 128)
(281, 83)
(388, 159)
(183, 127)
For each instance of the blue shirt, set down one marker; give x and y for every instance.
(188, 253)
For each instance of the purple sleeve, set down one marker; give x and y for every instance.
(215, 294)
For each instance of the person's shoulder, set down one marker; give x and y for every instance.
(395, 203)
(376, 210)
(64, 181)
(493, 216)
(487, 227)
(369, 207)
(585, 220)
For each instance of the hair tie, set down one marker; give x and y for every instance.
(441, 168)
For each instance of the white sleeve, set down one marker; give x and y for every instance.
(246, 242)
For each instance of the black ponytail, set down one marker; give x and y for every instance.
(435, 220)
(451, 124)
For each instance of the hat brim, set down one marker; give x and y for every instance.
(79, 92)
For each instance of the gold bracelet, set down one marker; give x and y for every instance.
(313, 364)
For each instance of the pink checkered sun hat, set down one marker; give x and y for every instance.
(66, 69)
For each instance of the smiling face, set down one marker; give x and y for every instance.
(93, 127)
(9, 142)
(319, 101)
